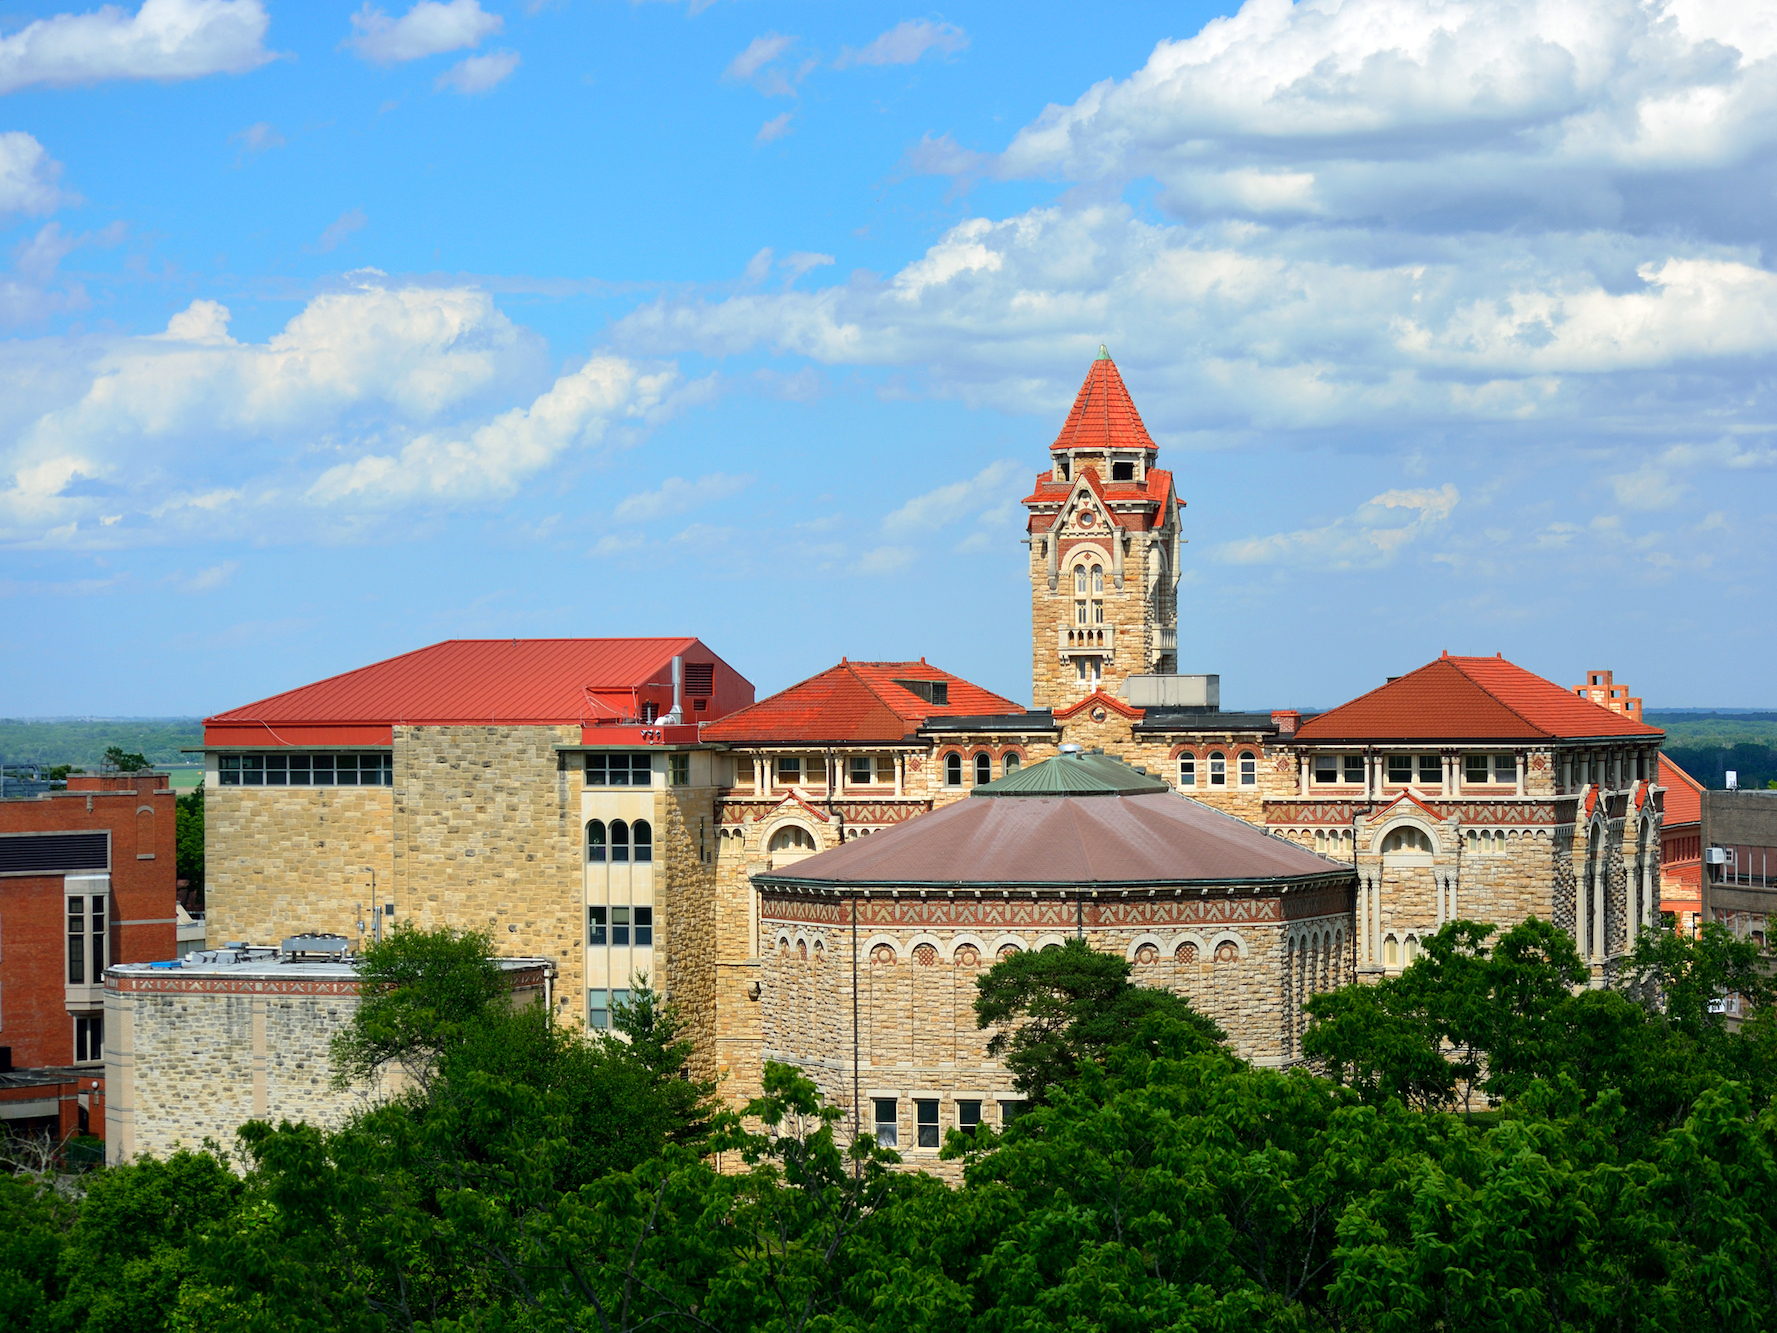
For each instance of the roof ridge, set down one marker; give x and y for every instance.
(325, 680)
(877, 694)
(1534, 726)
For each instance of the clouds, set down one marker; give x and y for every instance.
(478, 74)
(340, 228)
(905, 43)
(164, 39)
(29, 177)
(775, 128)
(678, 496)
(427, 29)
(1370, 538)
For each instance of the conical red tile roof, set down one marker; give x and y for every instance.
(1104, 416)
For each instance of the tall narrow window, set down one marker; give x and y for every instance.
(1218, 769)
(1009, 765)
(1249, 769)
(983, 769)
(1079, 580)
(598, 1009)
(789, 770)
(1187, 770)
(887, 1132)
(1431, 770)
(968, 1115)
(1354, 768)
(595, 840)
(953, 770)
(928, 1123)
(77, 941)
(89, 1038)
(862, 771)
(619, 926)
(679, 770)
(98, 937)
(597, 920)
(1080, 612)
(619, 840)
(1400, 769)
(1326, 768)
(1098, 580)
(644, 927)
(643, 837)
(1505, 768)
(1474, 768)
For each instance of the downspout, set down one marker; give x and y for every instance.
(856, 1105)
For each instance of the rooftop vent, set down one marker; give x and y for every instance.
(932, 691)
(314, 948)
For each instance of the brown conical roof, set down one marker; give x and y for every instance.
(1104, 416)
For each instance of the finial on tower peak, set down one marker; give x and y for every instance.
(1103, 355)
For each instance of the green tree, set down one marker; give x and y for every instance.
(33, 1218)
(120, 761)
(189, 839)
(1058, 1008)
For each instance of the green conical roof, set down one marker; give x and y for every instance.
(1074, 773)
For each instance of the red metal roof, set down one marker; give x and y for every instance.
(518, 682)
(855, 702)
(1160, 839)
(1470, 699)
(1683, 803)
(1104, 415)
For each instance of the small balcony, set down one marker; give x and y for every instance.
(1088, 639)
(1166, 639)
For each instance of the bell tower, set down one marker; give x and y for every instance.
(1104, 551)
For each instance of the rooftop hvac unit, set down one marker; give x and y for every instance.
(1718, 856)
(331, 948)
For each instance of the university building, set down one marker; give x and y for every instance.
(625, 807)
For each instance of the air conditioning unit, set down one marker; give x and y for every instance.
(1718, 856)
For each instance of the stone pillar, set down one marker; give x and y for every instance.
(1599, 916)
(1518, 769)
(1302, 763)
(900, 775)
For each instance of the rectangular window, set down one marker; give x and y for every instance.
(1354, 768)
(620, 925)
(1400, 769)
(253, 770)
(1505, 768)
(1431, 771)
(322, 770)
(596, 920)
(89, 1038)
(1079, 613)
(1010, 1110)
(345, 770)
(619, 999)
(1326, 768)
(1249, 769)
(679, 770)
(1218, 770)
(77, 941)
(1474, 768)
(228, 768)
(1097, 613)
(817, 770)
(968, 1115)
(862, 770)
(887, 1132)
(300, 769)
(598, 1009)
(98, 937)
(1187, 770)
(789, 769)
(644, 927)
(620, 769)
(277, 770)
(928, 1123)
(885, 768)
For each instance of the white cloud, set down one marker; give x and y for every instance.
(478, 74)
(164, 39)
(985, 496)
(208, 580)
(344, 225)
(678, 496)
(760, 52)
(28, 176)
(775, 128)
(905, 43)
(884, 560)
(258, 137)
(425, 30)
(1371, 537)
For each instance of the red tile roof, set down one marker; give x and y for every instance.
(855, 702)
(1104, 415)
(1158, 839)
(536, 682)
(1470, 699)
(1683, 803)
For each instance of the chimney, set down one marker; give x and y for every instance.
(676, 717)
(1285, 720)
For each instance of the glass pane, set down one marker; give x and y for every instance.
(322, 767)
(619, 840)
(1354, 768)
(1326, 768)
(598, 1008)
(253, 770)
(644, 840)
(595, 840)
(928, 1124)
(1430, 769)
(345, 770)
(681, 770)
(886, 1132)
(277, 768)
(595, 770)
(1505, 768)
(968, 1114)
(1475, 768)
(595, 925)
(885, 768)
(1400, 768)
(1012, 764)
(620, 925)
(641, 770)
(644, 927)
(76, 960)
(228, 768)
(299, 770)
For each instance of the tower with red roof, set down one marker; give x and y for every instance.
(1104, 550)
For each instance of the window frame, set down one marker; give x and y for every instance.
(642, 924)
(595, 849)
(968, 1113)
(598, 926)
(1010, 763)
(892, 1123)
(619, 842)
(641, 842)
(1398, 764)
(856, 763)
(1331, 761)
(1187, 769)
(953, 769)
(926, 1132)
(1218, 769)
(983, 768)
(678, 769)
(1249, 769)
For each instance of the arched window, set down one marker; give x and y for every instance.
(1098, 580)
(1010, 764)
(983, 769)
(643, 837)
(953, 770)
(792, 838)
(1412, 949)
(1249, 768)
(1187, 770)
(619, 840)
(1079, 580)
(1408, 839)
(1391, 952)
(595, 840)
(1218, 769)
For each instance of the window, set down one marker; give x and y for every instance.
(286, 769)
(1009, 765)
(1218, 769)
(595, 840)
(1249, 769)
(619, 999)
(953, 770)
(644, 927)
(1474, 768)
(1354, 768)
(1080, 582)
(789, 770)
(983, 769)
(862, 770)
(1391, 952)
(598, 1009)
(1098, 580)
(1406, 840)
(885, 768)
(968, 1115)
(89, 1038)
(1505, 768)
(620, 926)
(1122, 471)
(77, 941)
(887, 1134)
(1326, 768)
(792, 838)
(1412, 949)
(643, 837)
(1010, 1110)
(1187, 770)
(1400, 769)
(619, 840)
(1080, 612)
(1089, 669)
(678, 770)
(927, 1119)
(1062, 468)
(620, 769)
(1431, 770)
(597, 920)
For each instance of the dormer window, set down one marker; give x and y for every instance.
(1061, 469)
(1123, 471)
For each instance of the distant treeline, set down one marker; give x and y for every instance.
(83, 742)
(1753, 765)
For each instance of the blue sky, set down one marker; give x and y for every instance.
(331, 331)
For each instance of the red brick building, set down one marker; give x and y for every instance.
(1681, 848)
(87, 879)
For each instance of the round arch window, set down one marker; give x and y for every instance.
(595, 840)
(953, 770)
(1408, 840)
(983, 769)
(792, 838)
(1010, 764)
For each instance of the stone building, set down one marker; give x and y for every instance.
(870, 952)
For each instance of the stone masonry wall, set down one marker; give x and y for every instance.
(686, 891)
